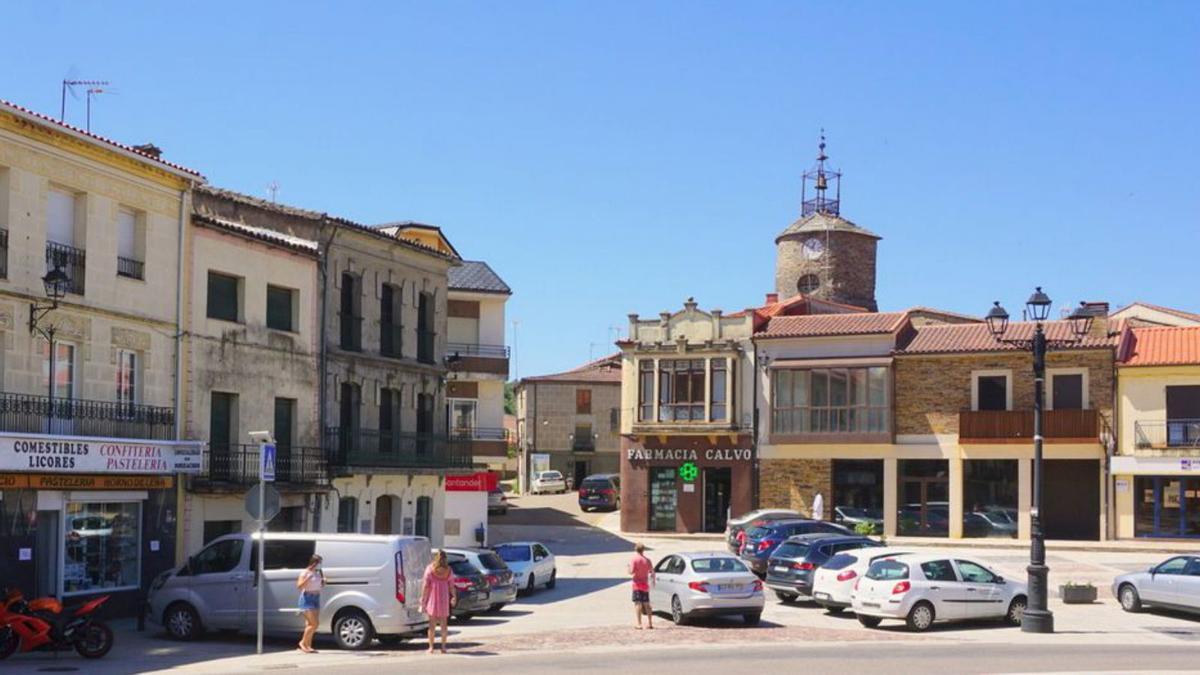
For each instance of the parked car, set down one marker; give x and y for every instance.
(923, 589)
(994, 524)
(602, 490)
(851, 516)
(706, 584)
(373, 586)
(503, 585)
(762, 541)
(497, 501)
(547, 482)
(474, 593)
(1173, 583)
(532, 564)
(833, 582)
(753, 519)
(790, 568)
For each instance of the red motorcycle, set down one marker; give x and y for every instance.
(42, 624)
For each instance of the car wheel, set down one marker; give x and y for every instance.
(752, 618)
(869, 621)
(553, 579)
(785, 597)
(182, 622)
(677, 615)
(920, 617)
(352, 630)
(835, 610)
(1130, 600)
(1016, 611)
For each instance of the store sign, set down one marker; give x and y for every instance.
(77, 454)
(688, 455)
(482, 481)
(58, 481)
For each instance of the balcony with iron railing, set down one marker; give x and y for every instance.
(130, 268)
(465, 357)
(483, 441)
(72, 261)
(236, 465)
(32, 414)
(1182, 433)
(1016, 426)
(373, 448)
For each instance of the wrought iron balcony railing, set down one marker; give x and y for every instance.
(130, 268)
(479, 434)
(238, 464)
(469, 349)
(396, 449)
(78, 417)
(72, 261)
(1172, 433)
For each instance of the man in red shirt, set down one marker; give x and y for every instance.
(642, 572)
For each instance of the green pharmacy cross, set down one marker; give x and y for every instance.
(689, 472)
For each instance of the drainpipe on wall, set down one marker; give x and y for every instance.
(322, 396)
(754, 466)
(180, 522)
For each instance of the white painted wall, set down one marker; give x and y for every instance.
(470, 509)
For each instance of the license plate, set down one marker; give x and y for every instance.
(872, 605)
(780, 568)
(729, 587)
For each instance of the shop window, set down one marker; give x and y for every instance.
(990, 498)
(830, 400)
(347, 515)
(924, 491)
(224, 297)
(103, 546)
(424, 516)
(583, 401)
(646, 390)
(281, 308)
(1166, 506)
(217, 558)
(858, 493)
(992, 391)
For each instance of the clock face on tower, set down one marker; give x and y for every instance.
(812, 248)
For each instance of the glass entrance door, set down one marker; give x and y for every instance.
(717, 485)
(663, 499)
(1167, 506)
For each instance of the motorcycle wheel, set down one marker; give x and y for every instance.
(8, 642)
(95, 641)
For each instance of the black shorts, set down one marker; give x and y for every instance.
(641, 596)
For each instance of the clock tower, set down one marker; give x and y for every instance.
(822, 254)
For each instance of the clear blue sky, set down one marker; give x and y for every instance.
(609, 158)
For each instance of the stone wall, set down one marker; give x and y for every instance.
(930, 391)
(846, 268)
(792, 483)
(550, 416)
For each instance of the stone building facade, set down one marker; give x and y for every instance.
(828, 257)
(573, 417)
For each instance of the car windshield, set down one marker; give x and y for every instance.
(791, 549)
(758, 532)
(513, 553)
(551, 475)
(463, 568)
(887, 570)
(708, 565)
(491, 561)
(840, 561)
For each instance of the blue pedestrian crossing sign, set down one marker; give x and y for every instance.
(268, 462)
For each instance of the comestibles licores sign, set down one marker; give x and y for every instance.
(77, 454)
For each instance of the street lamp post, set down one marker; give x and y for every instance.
(55, 282)
(1038, 618)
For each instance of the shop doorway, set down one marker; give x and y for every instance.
(1167, 506)
(663, 499)
(718, 483)
(1071, 499)
(583, 468)
(924, 497)
(47, 545)
(858, 492)
(383, 514)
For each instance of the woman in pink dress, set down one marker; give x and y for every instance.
(438, 596)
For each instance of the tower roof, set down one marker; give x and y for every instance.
(819, 222)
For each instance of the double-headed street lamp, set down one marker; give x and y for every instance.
(1038, 618)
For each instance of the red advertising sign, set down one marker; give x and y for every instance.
(483, 481)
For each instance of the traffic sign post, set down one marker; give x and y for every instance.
(264, 506)
(267, 470)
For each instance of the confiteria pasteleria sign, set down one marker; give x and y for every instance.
(77, 454)
(688, 455)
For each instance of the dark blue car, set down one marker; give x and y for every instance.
(762, 541)
(790, 568)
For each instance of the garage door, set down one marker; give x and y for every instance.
(1071, 498)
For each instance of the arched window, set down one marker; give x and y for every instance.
(424, 513)
(808, 283)
(347, 514)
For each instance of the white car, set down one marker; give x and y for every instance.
(532, 564)
(706, 584)
(547, 481)
(833, 582)
(922, 589)
(1173, 584)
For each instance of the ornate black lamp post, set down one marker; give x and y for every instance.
(1038, 618)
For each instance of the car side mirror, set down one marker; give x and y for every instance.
(538, 558)
(1000, 580)
(1153, 569)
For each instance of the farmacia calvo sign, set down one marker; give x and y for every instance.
(688, 454)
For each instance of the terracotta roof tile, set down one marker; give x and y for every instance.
(602, 370)
(1161, 346)
(816, 325)
(26, 112)
(261, 233)
(976, 337)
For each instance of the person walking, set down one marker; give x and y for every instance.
(642, 572)
(438, 595)
(310, 582)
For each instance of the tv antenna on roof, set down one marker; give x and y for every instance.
(69, 84)
(273, 190)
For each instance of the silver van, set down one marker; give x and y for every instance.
(372, 587)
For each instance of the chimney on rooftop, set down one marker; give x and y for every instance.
(772, 298)
(149, 149)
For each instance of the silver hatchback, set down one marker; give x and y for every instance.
(1173, 584)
